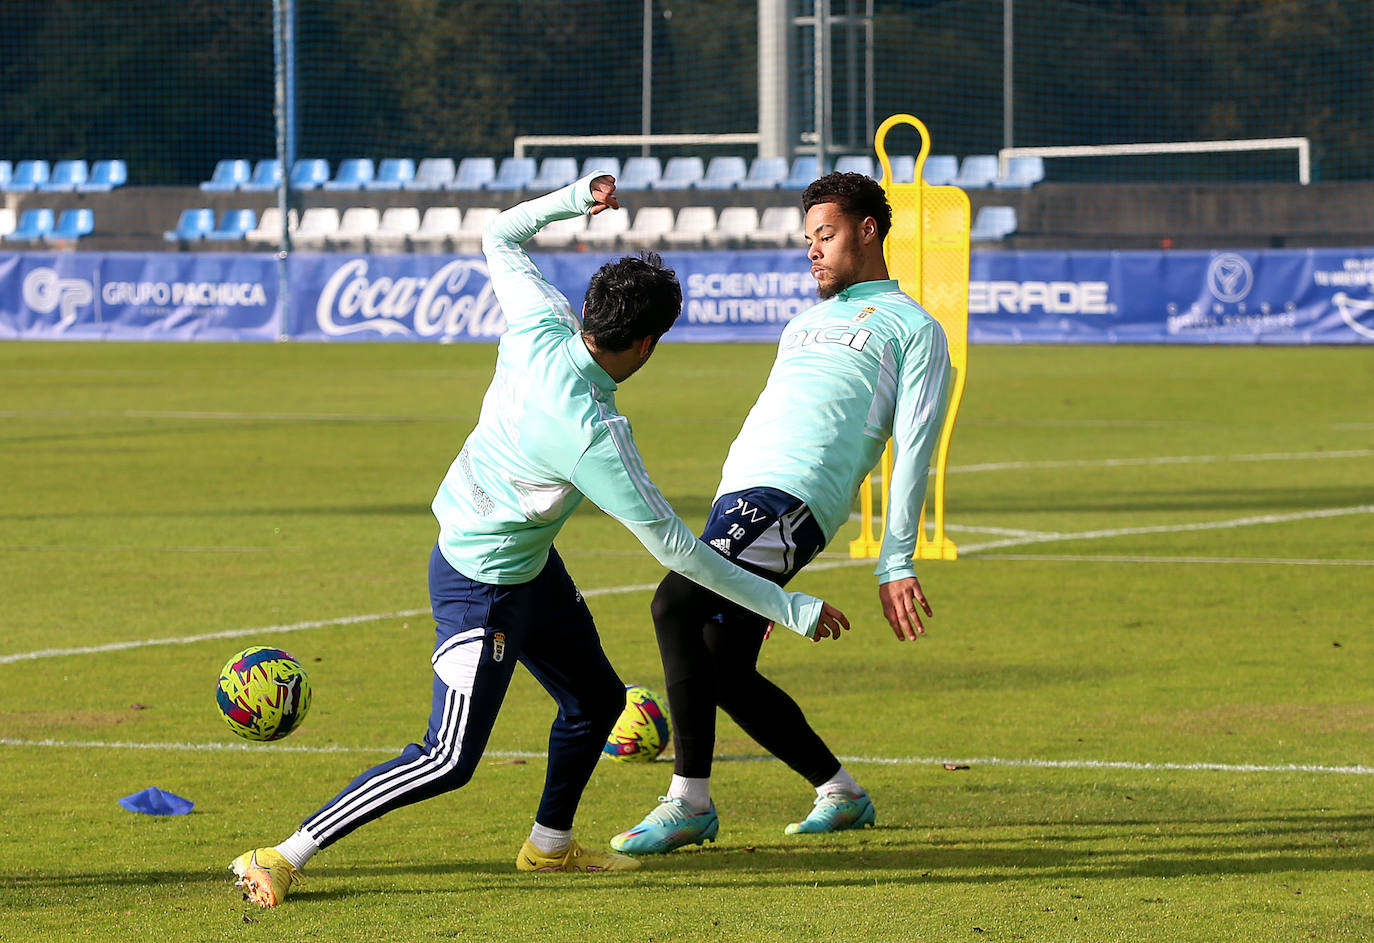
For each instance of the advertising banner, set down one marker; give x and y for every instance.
(1015, 297)
(727, 296)
(138, 296)
(1312, 296)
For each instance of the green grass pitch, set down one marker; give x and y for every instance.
(1153, 657)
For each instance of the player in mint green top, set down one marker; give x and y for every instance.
(865, 364)
(548, 434)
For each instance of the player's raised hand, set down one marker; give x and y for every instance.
(603, 192)
(831, 624)
(900, 599)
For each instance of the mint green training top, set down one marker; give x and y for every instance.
(852, 371)
(549, 433)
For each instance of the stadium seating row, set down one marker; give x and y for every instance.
(440, 228)
(29, 176)
(635, 173)
(43, 226)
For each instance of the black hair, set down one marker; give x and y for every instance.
(856, 195)
(631, 298)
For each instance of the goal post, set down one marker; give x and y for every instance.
(1301, 146)
(927, 252)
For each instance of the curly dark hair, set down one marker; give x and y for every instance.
(631, 298)
(855, 194)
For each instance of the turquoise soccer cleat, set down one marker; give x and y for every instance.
(671, 825)
(833, 813)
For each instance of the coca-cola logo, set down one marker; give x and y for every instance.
(455, 301)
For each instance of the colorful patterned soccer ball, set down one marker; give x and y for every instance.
(263, 694)
(642, 732)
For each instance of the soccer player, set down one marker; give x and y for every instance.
(548, 434)
(864, 364)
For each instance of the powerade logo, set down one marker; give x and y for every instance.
(1061, 297)
(457, 300)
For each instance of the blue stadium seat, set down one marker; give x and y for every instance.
(309, 173)
(233, 225)
(192, 225)
(6, 172)
(554, 172)
(723, 173)
(680, 173)
(976, 172)
(393, 173)
(105, 175)
(34, 224)
(1023, 171)
(474, 173)
(640, 173)
(514, 173)
(72, 225)
(993, 223)
(804, 170)
(353, 173)
(765, 173)
(266, 176)
(857, 164)
(939, 170)
(28, 176)
(610, 165)
(433, 173)
(66, 174)
(228, 175)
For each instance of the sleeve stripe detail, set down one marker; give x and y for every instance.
(619, 431)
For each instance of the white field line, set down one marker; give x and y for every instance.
(1165, 460)
(1029, 763)
(825, 564)
(1171, 528)
(266, 629)
(1229, 561)
(213, 415)
(1021, 539)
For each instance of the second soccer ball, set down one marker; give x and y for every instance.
(642, 732)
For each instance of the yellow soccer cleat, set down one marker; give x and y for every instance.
(572, 858)
(265, 876)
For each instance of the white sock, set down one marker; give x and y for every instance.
(550, 841)
(841, 784)
(695, 792)
(299, 848)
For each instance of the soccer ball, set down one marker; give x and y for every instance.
(263, 694)
(642, 732)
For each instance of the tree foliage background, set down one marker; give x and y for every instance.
(174, 85)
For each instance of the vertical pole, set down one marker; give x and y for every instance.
(284, 74)
(821, 68)
(776, 137)
(646, 88)
(1007, 84)
(870, 124)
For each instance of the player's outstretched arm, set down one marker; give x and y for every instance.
(603, 195)
(831, 624)
(526, 297)
(899, 598)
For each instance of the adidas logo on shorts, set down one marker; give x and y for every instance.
(722, 544)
